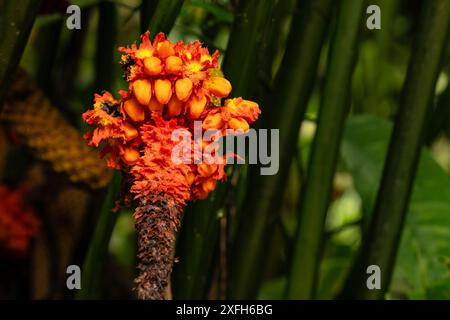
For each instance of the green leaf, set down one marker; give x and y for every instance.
(422, 266)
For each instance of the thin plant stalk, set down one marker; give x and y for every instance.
(380, 246)
(325, 151)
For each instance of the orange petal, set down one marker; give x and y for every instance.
(154, 105)
(238, 124)
(218, 86)
(143, 91)
(163, 91)
(175, 107)
(196, 106)
(206, 170)
(183, 88)
(173, 64)
(134, 110)
(153, 66)
(130, 156)
(129, 130)
(213, 121)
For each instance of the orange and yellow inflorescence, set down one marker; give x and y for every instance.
(171, 85)
(18, 222)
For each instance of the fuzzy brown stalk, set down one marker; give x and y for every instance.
(157, 221)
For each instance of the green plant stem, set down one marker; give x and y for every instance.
(381, 243)
(196, 247)
(159, 15)
(16, 20)
(285, 109)
(250, 23)
(48, 37)
(106, 43)
(324, 152)
(91, 274)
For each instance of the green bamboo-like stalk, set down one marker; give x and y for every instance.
(16, 20)
(106, 45)
(284, 109)
(325, 150)
(91, 274)
(241, 63)
(159, 15)
(381, 243)
(48, 37)
(199, 236)
(196, 246)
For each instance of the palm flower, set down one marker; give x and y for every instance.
(171, 86)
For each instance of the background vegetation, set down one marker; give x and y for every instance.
(364, 119)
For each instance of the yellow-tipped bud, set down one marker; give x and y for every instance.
(165, 49)
(134, 110)
(142, 91)
(206, 170)
(130, 156)
(154, 105)
(209, 185)
(175, 107)
(218, 86)
(196, 106)
(163, 90)
(213, 121)
(238, 124)
(153, 66)
(183, 89)
(129, 130)
(173, 64)
(190, 177)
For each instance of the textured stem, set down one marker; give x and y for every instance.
(156, 224)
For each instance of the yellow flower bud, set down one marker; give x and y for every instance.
(206, 170)
(130, 156)
(129, 130)
(213, 121)
(153, 66)
(183, 89)
(208, 185)
(134, 110)
(218, 86)
(196, 106)
(154, 105)
(238, 124)
(165, 49)
(173, 64)
(142, 91)
(175, 107)
(163, 90)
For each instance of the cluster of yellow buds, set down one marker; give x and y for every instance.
(174, 82)
(41, 126)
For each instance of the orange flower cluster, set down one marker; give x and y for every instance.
(171, 85)
(18, 222)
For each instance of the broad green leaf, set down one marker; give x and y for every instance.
(422, 267)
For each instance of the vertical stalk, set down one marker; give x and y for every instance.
(241, 60)
(284, 110)
(106, 42)
(159, 15)
(382, 241)
(16, 20)
(325, 150)
(98, 248)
